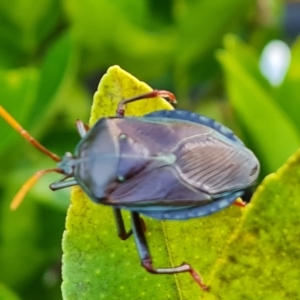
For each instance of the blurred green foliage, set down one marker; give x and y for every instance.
(52, 55)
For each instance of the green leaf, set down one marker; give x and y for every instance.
(97, 264)
(6, 294)
(273, 134)
(19, 241)
(27, 93)
(262, 261)
(54, 79)
(120, 38)
(24, 25)
(200, 29)
(30, 238)
(288, 93)
(17, 94)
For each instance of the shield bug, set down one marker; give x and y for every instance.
(168, 165)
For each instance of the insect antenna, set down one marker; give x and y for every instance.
(28, 185)
(14, 124)
(33, 179)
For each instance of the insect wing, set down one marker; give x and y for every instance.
(157, 187)
(186, 115)
(158, 193)
(214, 165)
(214, 161)
(161, 194)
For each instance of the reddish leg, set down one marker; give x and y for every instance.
(121, 231)
(240, 202)
(153, 94)
(146, 260)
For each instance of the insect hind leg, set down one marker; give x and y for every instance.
(146, 260)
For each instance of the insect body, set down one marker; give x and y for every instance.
(166, 165)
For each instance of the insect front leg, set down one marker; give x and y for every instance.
(82, 128)
(146, 260)
(152, 94)
(122, 233)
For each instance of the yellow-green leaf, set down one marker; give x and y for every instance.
(263, 259)
(98, 265)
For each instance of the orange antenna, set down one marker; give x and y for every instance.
(33, 179)
(13, 123)
(28, 185)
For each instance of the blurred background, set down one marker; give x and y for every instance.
(236, 61)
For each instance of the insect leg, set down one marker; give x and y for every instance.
(152, 94)
(240, 202)
(245, 198)
(82, 128)
(146, 259)
(63, 183)
(120, 225)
